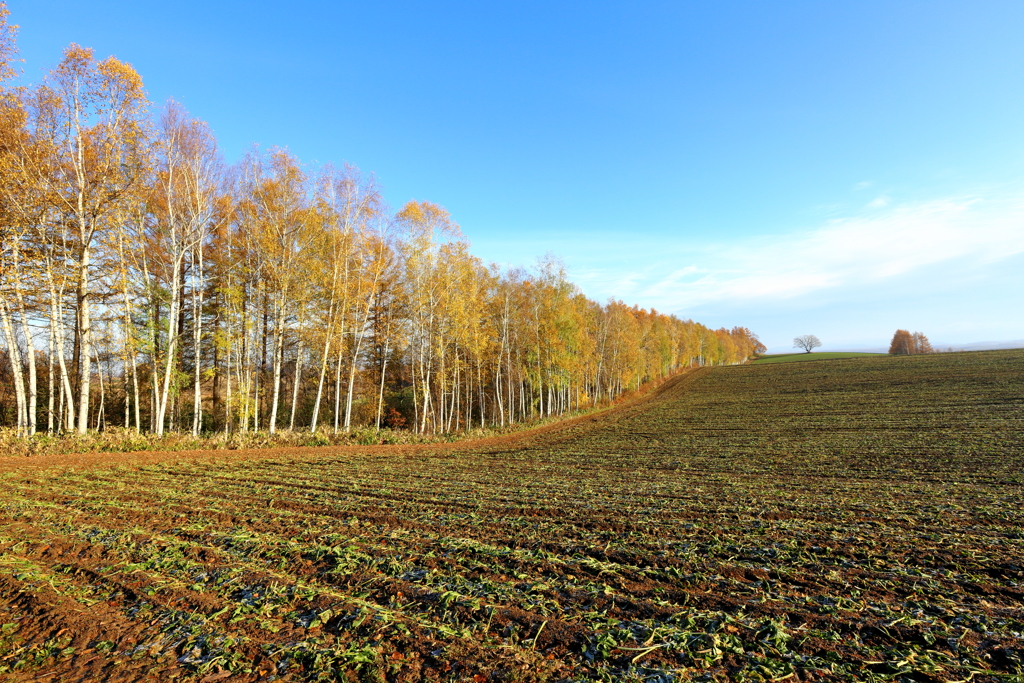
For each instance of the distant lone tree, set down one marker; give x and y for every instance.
(906, 344)
(807, 342)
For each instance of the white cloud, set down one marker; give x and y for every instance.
(842, 254)
(879, 202)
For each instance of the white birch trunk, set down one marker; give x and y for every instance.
(227, 377)
(101, 411)
(197, 337)
(50, 387)
(135, 393)
(85, 338)
(380, 393)
(30, 351)
(65, 415)
(295, 384)
(320, 384)
(327, 351)
(172, 345)
(358, 335)
(30, 348)
(33, 392)
(337, 395)
(278, 361)
(14, 356)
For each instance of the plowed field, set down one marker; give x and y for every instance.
(842, 520)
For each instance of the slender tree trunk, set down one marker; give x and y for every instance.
(380, 393)
(61, 415)
(257, 377)
(30, 351)
(215, 388)
(85, 340)
(172, 345)
(425, 383)
(415, 400)
(262, 370)
(101, 412)
(337, 394)
(14, 356)
(64, 419)
(31, 408)
(197, 336)
(298, 380)
(523, 385)
(440, 391)
(497, 394)
(228, 404)
(126, 388)
(76, 356)
(357, 342)
(51, 385)
(448, 411)
(454, 410)
(510, 381)
(136, 394)
(278, 361)
(320, 383)
(483, 393)
(130, 353)
(246, 373)
(154, 382)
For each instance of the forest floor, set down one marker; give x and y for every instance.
(121, 440)
(861, 519)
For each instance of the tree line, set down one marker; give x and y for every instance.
(147, 284)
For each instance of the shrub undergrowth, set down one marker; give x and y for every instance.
(121, 440)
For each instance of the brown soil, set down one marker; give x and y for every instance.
(719, 526)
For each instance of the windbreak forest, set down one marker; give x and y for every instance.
(147, 285)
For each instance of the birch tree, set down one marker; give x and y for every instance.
(183, 201)
(92, 114)
(277, 212)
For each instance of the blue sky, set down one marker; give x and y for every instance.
(841, 169)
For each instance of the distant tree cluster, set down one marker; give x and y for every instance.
(807, 342)
(905, 343)
(145, 283)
